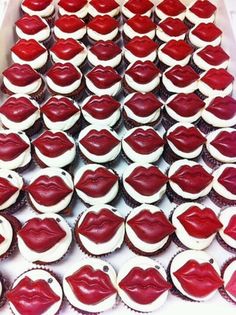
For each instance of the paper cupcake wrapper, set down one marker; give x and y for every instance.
(5, 286)
(222, 290)
(219, 200)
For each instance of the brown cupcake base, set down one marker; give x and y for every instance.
(195, 67)
(188, 23)
(219, 200)
(130, 123)
(175, 198)
(164, 93)
(224, 245)
(20, 203)
(5, 287)
(210, 160)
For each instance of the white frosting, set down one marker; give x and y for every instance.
(142, 87)
(224, 218)
(169, 61)
(80, 13)
(162, 16)
(177, 189)
(132, 58)
(193, 18)
(16, 181)
(196, 41)
(96, 264)
(112, 90)
(40, 274)
(49, 10)
(1, 288)
(105, 247)
(98, 36)
(26, 89)
(129, 14)
(220, 189)
(137, 157)
(143, 263)
(94, 12)
(181, 259)
(108, 157)
(212, 93)
(111, 194)
(202, 64)
(228, 273)
(165, 37)
(64, 35)
(133, 193)
(114, 62)
(6, 231)
(22, 159)
(61, 205)
(130, 33)
(39, 36)
(55, 252)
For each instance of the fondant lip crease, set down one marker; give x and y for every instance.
(18, 109)
(101, 107)
(59, 109)
(143, 104)
(11, 146)
(6, 190)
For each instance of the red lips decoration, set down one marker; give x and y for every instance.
(32, 297)
(28, 50)
(192, 179)
(37, 5)
(103, 24)
(63, 74)
(203, 9)
(230, 230)
(144, 286)
(104, 6)
(141, 46)
(186, 105)
(2, 239)
(228, 179)
(40, 235)
(222, 107)
(198, 279)
(143, 71)
(7, 190)
(67, 49)
(105, 50)
(11, 146)
(17, 109)
(138, 6)
(231, 285)
(171, 7)
(225, 143)
(91, 286)
(186, 139)
(214, 55)
(182, 76)
(100, 227)
(101, 107)
(146, 181)
(97, 183)
(151, 227)
(207, 32)
(217, 79)
(48, 191)
(173, 27)
(72, 5)
(144, 141)
(103, 77)
(21, 75)
(143, 105)
(177, 49)
(31, 24)
(69, 23)
(200, 223)
(141, 24)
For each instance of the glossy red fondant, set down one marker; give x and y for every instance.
(21, 75)
(231, 285)
(141, 24)
(143, 72)
(213, 55)
(28, 50)
(11, 146)
(222, 107)
(217, 79)
(103, 24)
(182, 76)
(138, 6)
(101, 107)
(63, 74)
(7, 190)
(228, 179)
(173, 27)
(31, 25)
(141, 46)
(72, 6)
(103, 77)
(230, 229)
(2, 239)
(177, 49)
(171, 7)
(69, 23)
(37, 5)
(186, 105)
(105, 50)
(67, 49)
(143, 104)
(104, 6)
(203, 9)
(207, 32)
(225, 143)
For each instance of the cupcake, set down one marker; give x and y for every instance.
(188, 181)
(224, 186)
(97, 241)
(54, 149)
(91, 287)
(148, 231)
(143, 183)
(69, 26)
(3, 290)
(141, 109)
(183, 141)
(195, 225)
(226, 235)
(44, 239)
(228, 274)
(50, 190)
(20, 113)
(103, 81)
(142, 284)
(103, 7)
(15, 150)
(138, 25)
(73, 7)
(36, 291)
(96, 184)
(23, 79)
(98, 144)
(130, 8)
(171, 29)
(195, 275)
(61, 113)
(142, 144)
(201, 11)
(170, 8)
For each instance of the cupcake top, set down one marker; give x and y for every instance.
(224, 181)
(227, 231)
(189, 179)
(205, 34)
(43, 8)
(139, 25)
(47, 297)
(55, 148)
(91, 287)
(96, 184)
(69, 26)
(201, 11)
(50, 190)
(170, 8)
(73, 7)
(142, 284)
(103, 7)
(196, 225)
(100, 229)
(143, 144)
(44, 238)
(171, 28)
(103, 27)
(6, 234)
(195, 274)
(132, 7)
(229, 277)
(144, 182)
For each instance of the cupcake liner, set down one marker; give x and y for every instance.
(190, 43)
(50, 19)
(39, 96)
(31, 130)
(48, 41)
(23, 168)
(164, 93)
(195, 67)
(75, 95)
(130, 123)
(162, 66)
(188, 23)
(157, 20)
(219, 200)
(222, 290)
(5, 286)
(201, 95)
(209, 159)
(205, 127)
(128, 90)
(167, 121)
(224, 245)
(175, 198)
(20, 203)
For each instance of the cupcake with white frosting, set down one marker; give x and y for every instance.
(138, 25)
(42, 8)
(200, 11)
(170, 8)
(171, 29)
(103, 7)
(132, 7)
(73, 7)
(69, 26)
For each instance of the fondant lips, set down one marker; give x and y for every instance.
(69, 23)
(217, 79)
(228, 179)
(48, 191)
(200, 223)
(101, 107)
(231, 285)
(173, 27)
(143, 72)
(138, 6)
(103, 77)
(198, 279)
(177, 49)
(144, 286)
(103, 24)
(97, 183)
(223, 107)
(72, 5)
(207, 32)
(146, 181)
(63, 74)
(171, 7)
(28, 50)
(144, 141)
(32, 297)
(143, 105)
(141, 46)
(186, 105)
(203, 9)
(91, 286)
(151, 227)
(104, 6)
(31, 25)
(192, 179)
(100, 226)
(67, 49)
(36, 5)
(225, 143)
(2, 239)
(21, 75)
(53, 144)
(11, 146)
(182, 76)
(141, 24)
(105, 50)
(7, 190)
(214, 55)
(230, 230)
(41, 235)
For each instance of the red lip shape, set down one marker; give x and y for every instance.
(173, 27)
(223, 107)
(141, 46)
(105, 50)
(97, 183)
(63, 74)
(48, 191)
(151, 227)
(104, 6)
(182, 76)
(198, 279)
(103, 77)
(99, 142)
(41, 235)
(11, 146)
(7, 190)
(192, 179)
(228, 179)
(100, 227)
(21, 75)
(28, 50)
(225, 143)
(231, 285)
(32, 297)
(186, 105)
(69, 23)
(139, 6)
(143, 105)
(72, 5)
(144, 286)
(53, 144)
(177, 49)
(104, 24)
(2, 239)
(91, 286)
(171, 7)
(146, 181)
(143, 71)
(101, 107)
(186, 139)
(207, 32)
(144, 141)
(37, 5)
(200, 223)
(203, 9)
(31, 24)
(230, 230)
(214, 55)
(141, 24)
(67, 49)
(217, 79)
